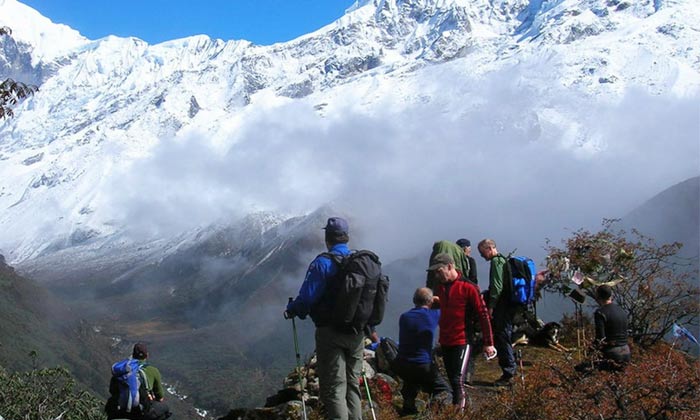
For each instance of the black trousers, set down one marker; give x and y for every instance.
(455, 359)
(615, 359)
(424, 377)
(502, 325)
(157, 410)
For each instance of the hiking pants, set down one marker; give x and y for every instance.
(615, 359)
(455, 359)
(502, 331)
(339, 367)
(425, 377)
(475, 342)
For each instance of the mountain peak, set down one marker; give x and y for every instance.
(48, 40)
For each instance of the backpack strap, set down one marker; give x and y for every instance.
(336, 258)
(507, 274)
(143, 377)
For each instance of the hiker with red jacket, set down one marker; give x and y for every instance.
(459, 300)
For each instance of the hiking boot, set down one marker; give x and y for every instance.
(504, 380)
(468, 379)
(408, 411)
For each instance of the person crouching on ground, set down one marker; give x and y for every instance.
(610, 334)
(459, 300)
(155, 407)
(414, 363)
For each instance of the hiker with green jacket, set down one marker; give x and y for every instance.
(152, 395)
(454, 251)
(500, 308)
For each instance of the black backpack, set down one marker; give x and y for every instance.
(361, 291)
(387, 352)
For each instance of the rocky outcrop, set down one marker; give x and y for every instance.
(286, 403)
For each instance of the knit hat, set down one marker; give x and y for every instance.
(140, 351)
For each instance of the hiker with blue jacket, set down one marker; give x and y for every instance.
(501, 309)
(339, 354)
(414, 363)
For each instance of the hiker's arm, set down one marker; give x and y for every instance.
(312, 288)
(158, 391)
(480, 310)
(496, 277)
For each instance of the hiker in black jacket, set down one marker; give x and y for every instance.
(610, 334)
(466, 245)
(474, 330)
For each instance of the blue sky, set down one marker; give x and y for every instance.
(154, 21)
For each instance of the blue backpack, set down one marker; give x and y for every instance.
(522, 271)
(131, 378)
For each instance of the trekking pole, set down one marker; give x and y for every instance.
(296, 350)
(578, 332)
(519, 354)
(369, 395)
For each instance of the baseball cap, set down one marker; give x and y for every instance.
(337, 225)
(440, 260)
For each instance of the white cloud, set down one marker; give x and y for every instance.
(496, 156)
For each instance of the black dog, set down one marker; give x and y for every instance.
(546, 336)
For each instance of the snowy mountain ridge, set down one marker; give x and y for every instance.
(118, 143)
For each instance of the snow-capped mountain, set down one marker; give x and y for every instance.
(159, 188)
(128, 142)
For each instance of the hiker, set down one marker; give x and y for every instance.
(414, 363)
(152, 394)
(501, 309)
(457, 254)
(474, 329)
(610, 334)
(466, 246)
(339, 354)
(459, 301)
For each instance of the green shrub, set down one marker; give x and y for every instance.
(46, 394)
(660, 383)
